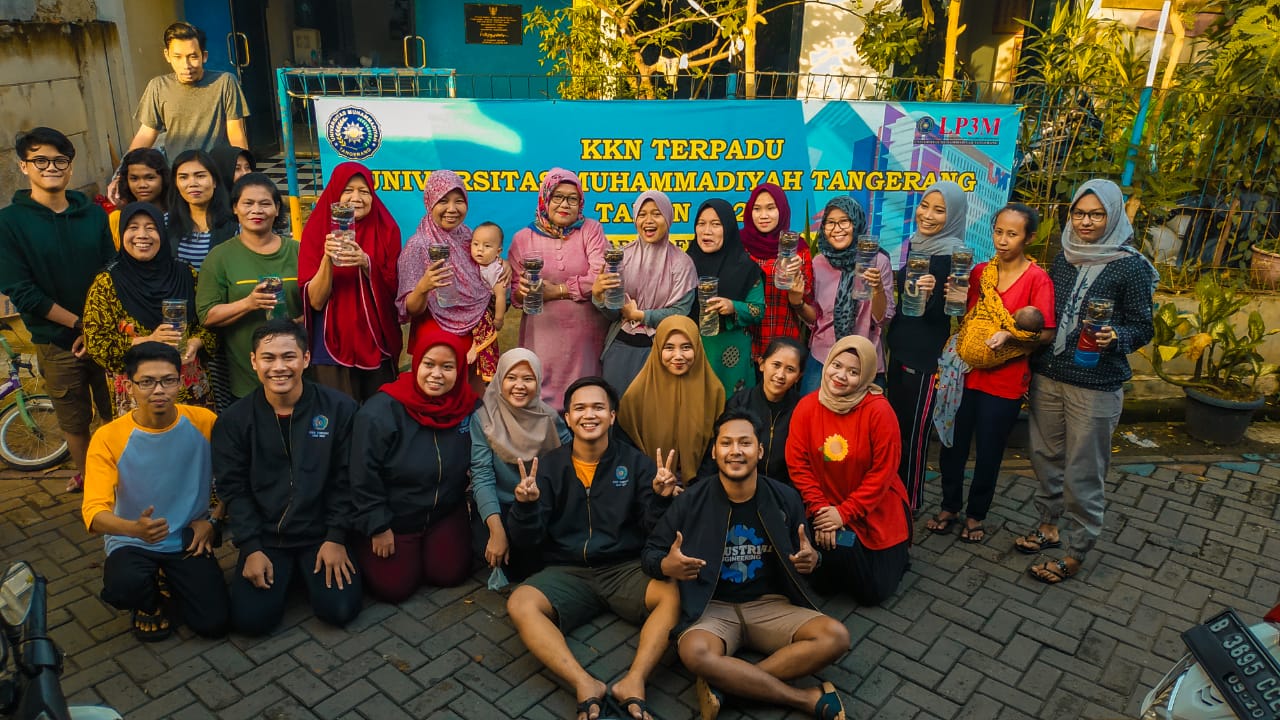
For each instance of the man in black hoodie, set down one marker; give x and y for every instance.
(590, 505)
(280, 457)
(737, 546)
(53, 242)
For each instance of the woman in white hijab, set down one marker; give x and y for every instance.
(1076, 400)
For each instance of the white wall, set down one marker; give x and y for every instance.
(826, 48)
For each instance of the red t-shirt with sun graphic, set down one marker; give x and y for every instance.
(851, 461)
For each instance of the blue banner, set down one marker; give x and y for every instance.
(880, 153)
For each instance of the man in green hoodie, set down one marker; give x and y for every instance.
(53, 241)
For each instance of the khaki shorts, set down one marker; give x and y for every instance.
(765, 625)
(75, 385)
(579, 594)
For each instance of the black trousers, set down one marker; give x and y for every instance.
(986, 421)
(869, 576)
(521, 561)
(199, 591)
(911, 394)
(255, 611)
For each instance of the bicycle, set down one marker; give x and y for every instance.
(30, 438)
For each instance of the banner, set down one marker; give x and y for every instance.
(880, 153)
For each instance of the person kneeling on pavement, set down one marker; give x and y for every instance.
(590, 504)
(737, 546)
(280, 455)
(147, 485)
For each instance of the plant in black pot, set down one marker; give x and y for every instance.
(1222, 391)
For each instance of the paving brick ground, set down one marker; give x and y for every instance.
(968, 636)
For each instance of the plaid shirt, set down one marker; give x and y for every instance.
(779, 319)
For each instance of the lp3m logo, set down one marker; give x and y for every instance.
(969, 126)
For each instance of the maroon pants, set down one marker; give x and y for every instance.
(439, 556)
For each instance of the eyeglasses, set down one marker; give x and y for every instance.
(62, 162)
(570, 200)
(1096, 216)
(844, 224)
(150, 383)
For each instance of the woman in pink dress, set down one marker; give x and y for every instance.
(568, 335)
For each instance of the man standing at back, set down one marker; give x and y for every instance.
(53, 242)
(197, 108)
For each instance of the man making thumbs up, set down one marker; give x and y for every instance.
(738, 546)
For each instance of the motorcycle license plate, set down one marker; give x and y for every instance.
(1244, 672)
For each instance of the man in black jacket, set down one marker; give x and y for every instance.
(280, 463)
(590, 505)
(737, 546)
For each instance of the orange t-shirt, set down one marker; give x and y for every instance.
(585, 471)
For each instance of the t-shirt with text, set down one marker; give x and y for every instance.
(749, 569)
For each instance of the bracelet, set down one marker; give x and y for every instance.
(797, 306)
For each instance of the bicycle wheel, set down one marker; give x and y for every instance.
(36, 446)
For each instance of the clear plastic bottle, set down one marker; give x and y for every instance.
(446, 296)
(957, 307)
(788, 245)
(275, 285)
(708, 320)
(533, 299)
(614, 298)
(1097, 313)
(913, 298)
(868, 246)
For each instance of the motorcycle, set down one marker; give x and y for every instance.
(34, 692)
(1232, 672)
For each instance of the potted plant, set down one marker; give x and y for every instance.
(1222, 391)
(1264, 263)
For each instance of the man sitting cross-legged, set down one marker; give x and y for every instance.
(743, 586)
(590, 504)
(147, 485)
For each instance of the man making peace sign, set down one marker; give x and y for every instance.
(590, 505)
(737, 544)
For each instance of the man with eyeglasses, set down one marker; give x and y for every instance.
(53, 242)
(147, 488)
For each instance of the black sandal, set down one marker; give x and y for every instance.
(625, 707)
(152, 626)
(1037, 537)
(1052, 571)
(829, 706)
(942, 525)
(967, 532)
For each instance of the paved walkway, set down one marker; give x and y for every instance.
(968, 636)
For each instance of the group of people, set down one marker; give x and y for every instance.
(255, 387)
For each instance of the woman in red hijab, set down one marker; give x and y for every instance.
(350, 290)
(410, 452)
(768, 215)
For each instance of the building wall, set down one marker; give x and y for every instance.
(66, 76)
(826, 48)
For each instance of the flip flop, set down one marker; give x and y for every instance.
(625, 707)
(75, 484)
(1053, 571)
(152, 626)
(829, 706)
(1042, 543)
(944, 524)
(966, 534)
(584, 707)
(710, 700)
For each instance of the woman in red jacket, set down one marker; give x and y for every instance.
(843, 452)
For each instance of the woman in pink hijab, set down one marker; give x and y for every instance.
(418, 298)
(659, 280)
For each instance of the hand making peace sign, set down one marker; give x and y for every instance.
(527, 491)
(665, 483)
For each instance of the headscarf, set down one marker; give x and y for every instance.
(655, 275)
(668, 412)
(951, 236)
(472, 291)
(518, 433)
(378, 236)
(846, 310)
(225, 157)
(737, 272)
(1091, 258)
(142, 285)
(442, 412)
(764, 246)
(542, 219)
(866, 353)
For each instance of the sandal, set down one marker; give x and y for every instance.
(151, 626)
(939, 525)
(1024, 543)
(1052, 572)
(76, 483)
(829, 706)
(968, 531)
(710, 700)
(584, 707)
(626, 706)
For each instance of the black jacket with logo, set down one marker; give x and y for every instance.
(278, 496)
(605, 525)
(702, 514)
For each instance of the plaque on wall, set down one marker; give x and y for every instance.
(494, 24)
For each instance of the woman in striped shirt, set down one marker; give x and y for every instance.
(199, 214)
